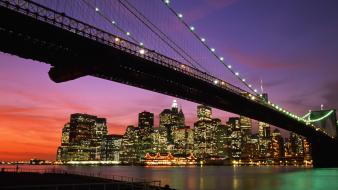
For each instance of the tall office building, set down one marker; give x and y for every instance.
(221, 139)
(130, 152)
(145, 123)
(296, 142)
(277, 145)
(246, 128)
(83, 139)
(204, 113)
(113, 147)
(170, 120)
(236, 138)
(264, 139)
(204, 130)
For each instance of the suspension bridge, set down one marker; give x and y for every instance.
(75, 48)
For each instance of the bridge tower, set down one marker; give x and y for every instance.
(324, 151)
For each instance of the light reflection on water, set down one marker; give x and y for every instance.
(225, 177)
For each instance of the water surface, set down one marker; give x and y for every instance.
(224, 177)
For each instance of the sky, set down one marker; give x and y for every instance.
(291, 45)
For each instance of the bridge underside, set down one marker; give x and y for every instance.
(72, 56)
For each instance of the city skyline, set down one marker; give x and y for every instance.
(85, 138)
(33, 108)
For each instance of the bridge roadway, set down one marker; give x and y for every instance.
(74, 49)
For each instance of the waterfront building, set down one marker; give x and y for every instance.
(180, 137)
(145, 130)
(277, 145)
(113, 147)
(204, 133)
(264, 133)
(129, 153)
(83, 139)
(169, 159)
(170, 120)
(307, 151)
(246, 127)
(222, 141)
(236, 137)
(296, 143)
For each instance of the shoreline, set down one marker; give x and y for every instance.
(36, 180)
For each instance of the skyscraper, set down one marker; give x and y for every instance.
(170, 120)
(204, 113)
(277, 145)
(264, 139)
(204, 133)
(83, 139)
(296, 143)
(129, 153)
(145, 129)
(236, 137)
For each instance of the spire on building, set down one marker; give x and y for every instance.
(174, 105)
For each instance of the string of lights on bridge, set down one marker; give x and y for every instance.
(115, 24)
(212, 50)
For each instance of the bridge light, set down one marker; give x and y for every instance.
(212, 49)
(203, 39)
(215, 81)
(253, 98)
(180, 15)
(221, 58)
(243, 80)
(113, 22)
(142, 51)
(97, 9)
(222, 83)
(128, 33)
(117, 39)
(183, 66)
(255, 90)
(192, 28)
(237, 73)
(250, 85)
(166, 1)
(141, 44)
(229, 66)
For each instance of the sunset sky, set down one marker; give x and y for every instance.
(291, 45)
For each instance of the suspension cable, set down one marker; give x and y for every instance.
(212, 50)
(152, 27)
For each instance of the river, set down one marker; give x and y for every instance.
(224, 177)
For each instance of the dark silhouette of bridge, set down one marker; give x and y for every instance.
(75, 49)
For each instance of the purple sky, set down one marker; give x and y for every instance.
(291, 45)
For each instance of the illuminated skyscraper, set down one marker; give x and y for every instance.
(246, 126)
(296, 143)
(236, 138)
(221, 140)
(204, 113)
(113, 146)
(170, 120)
(129, 153)
(145, 129)
(264, 139)
(204, 142)
(277, 145)
(83, 139)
